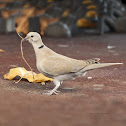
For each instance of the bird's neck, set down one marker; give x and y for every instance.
(38, 48)
(37, 44)
(42, 52)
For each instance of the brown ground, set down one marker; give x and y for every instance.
(100, 101)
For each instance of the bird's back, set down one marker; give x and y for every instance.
(55, 64)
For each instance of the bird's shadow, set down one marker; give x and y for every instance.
(25, 85)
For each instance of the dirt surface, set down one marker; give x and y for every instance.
(98, 99)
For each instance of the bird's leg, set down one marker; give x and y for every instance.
(57, 83)
(84, 74)
(57, 90)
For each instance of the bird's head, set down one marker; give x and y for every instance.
(34, 38)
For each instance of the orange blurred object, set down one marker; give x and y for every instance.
(91, 7)
(8, 13)
(91, 14)
(40, 12)
(66, 13)
(84, 23)
(28, 12)
(86, 2)
(2, 5)
(26, 5)
(22, 24)
(22, 21)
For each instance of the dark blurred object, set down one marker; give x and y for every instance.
(22, 35)
(34, 24)
(124, 1)
(67, 18)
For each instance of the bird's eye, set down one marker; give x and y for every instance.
(32, 36)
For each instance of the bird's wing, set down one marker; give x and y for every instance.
(58, 64)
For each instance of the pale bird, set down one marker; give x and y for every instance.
(57, 66)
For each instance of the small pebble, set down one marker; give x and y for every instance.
(97, 89)
(67, 88)
(43, 83)
(111, 47)
(89, 77)
(98, 85)
(63, 46)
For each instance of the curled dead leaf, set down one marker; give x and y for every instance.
(23, 73)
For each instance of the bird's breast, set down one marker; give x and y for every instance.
(41, 69)
(39, 65)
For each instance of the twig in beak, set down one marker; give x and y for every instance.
(19, 34)
(24, 58)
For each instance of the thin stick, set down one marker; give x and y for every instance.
(24, 58)
(26, 61)
(19, 35)
(18, 80)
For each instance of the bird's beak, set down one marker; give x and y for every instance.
(25, 39)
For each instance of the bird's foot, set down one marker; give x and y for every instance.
(52, 92)
(57, 91)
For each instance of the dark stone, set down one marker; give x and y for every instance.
(58, 29)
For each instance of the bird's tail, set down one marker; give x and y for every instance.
(99, 65)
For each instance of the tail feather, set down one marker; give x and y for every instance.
(99, 65)
(92, 61)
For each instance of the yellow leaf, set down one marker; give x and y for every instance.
(13, 73)
(23, 73)
(2, 50)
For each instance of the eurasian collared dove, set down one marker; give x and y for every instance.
(59, 67)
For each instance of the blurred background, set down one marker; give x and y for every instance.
(80, 29)
(61, 18)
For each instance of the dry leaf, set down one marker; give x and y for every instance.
(2, 50)
(23, 73)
